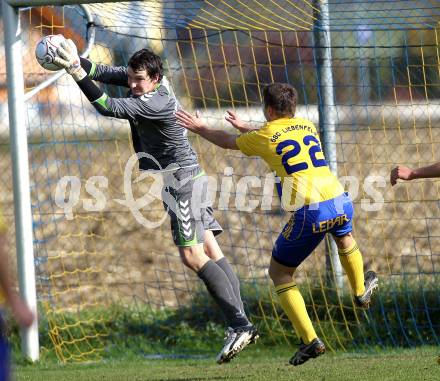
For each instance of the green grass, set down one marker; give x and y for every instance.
(254, 364)
(195, 332)
(139, 330)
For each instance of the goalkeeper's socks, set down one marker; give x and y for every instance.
(223, 263)
(351, 261)
(293, 305)
(221, 290)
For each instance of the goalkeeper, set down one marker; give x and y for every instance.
(290, 146)
(150, 109)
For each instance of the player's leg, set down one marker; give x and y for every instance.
(351, 257)
(293, 305)
(236, 339)
(216, 282)
(291, 300)
(293, 245)
(351, 260)
(213, 251)
(188, 235)
(187, 224)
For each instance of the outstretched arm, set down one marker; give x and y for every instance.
(238, 123)
(123, 108)
(195, 124)
(112, 75)
(404, 173)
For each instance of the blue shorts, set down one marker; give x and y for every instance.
(308, 226)
(4, 353)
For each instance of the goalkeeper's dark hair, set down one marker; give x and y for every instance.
(281, 97)
(146, 60)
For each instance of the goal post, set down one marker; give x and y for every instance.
(327, 118)
(20, 164)
(20, 173)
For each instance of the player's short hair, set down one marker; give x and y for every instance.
(281, 97)
(145, 59)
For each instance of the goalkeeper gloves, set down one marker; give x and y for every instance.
(68, 59)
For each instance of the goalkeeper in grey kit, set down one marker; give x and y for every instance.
(150, 109)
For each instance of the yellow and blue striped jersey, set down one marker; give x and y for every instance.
(291, 147)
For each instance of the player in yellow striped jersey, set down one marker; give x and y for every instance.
(291, 147)
(9, 297)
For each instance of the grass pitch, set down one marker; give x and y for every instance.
(253, 364)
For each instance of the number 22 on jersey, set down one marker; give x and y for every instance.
(294, 149)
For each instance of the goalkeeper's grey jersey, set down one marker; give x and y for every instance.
(152, 120)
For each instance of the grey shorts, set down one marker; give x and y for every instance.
(185, 199)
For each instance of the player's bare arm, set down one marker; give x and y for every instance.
(195, 124)
(404, 173)
(19, 309)
(237, 123)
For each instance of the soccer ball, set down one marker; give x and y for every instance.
(46, 51)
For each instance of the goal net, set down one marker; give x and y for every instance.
(108, 271)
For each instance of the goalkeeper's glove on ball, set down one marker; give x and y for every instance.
(68, 59)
